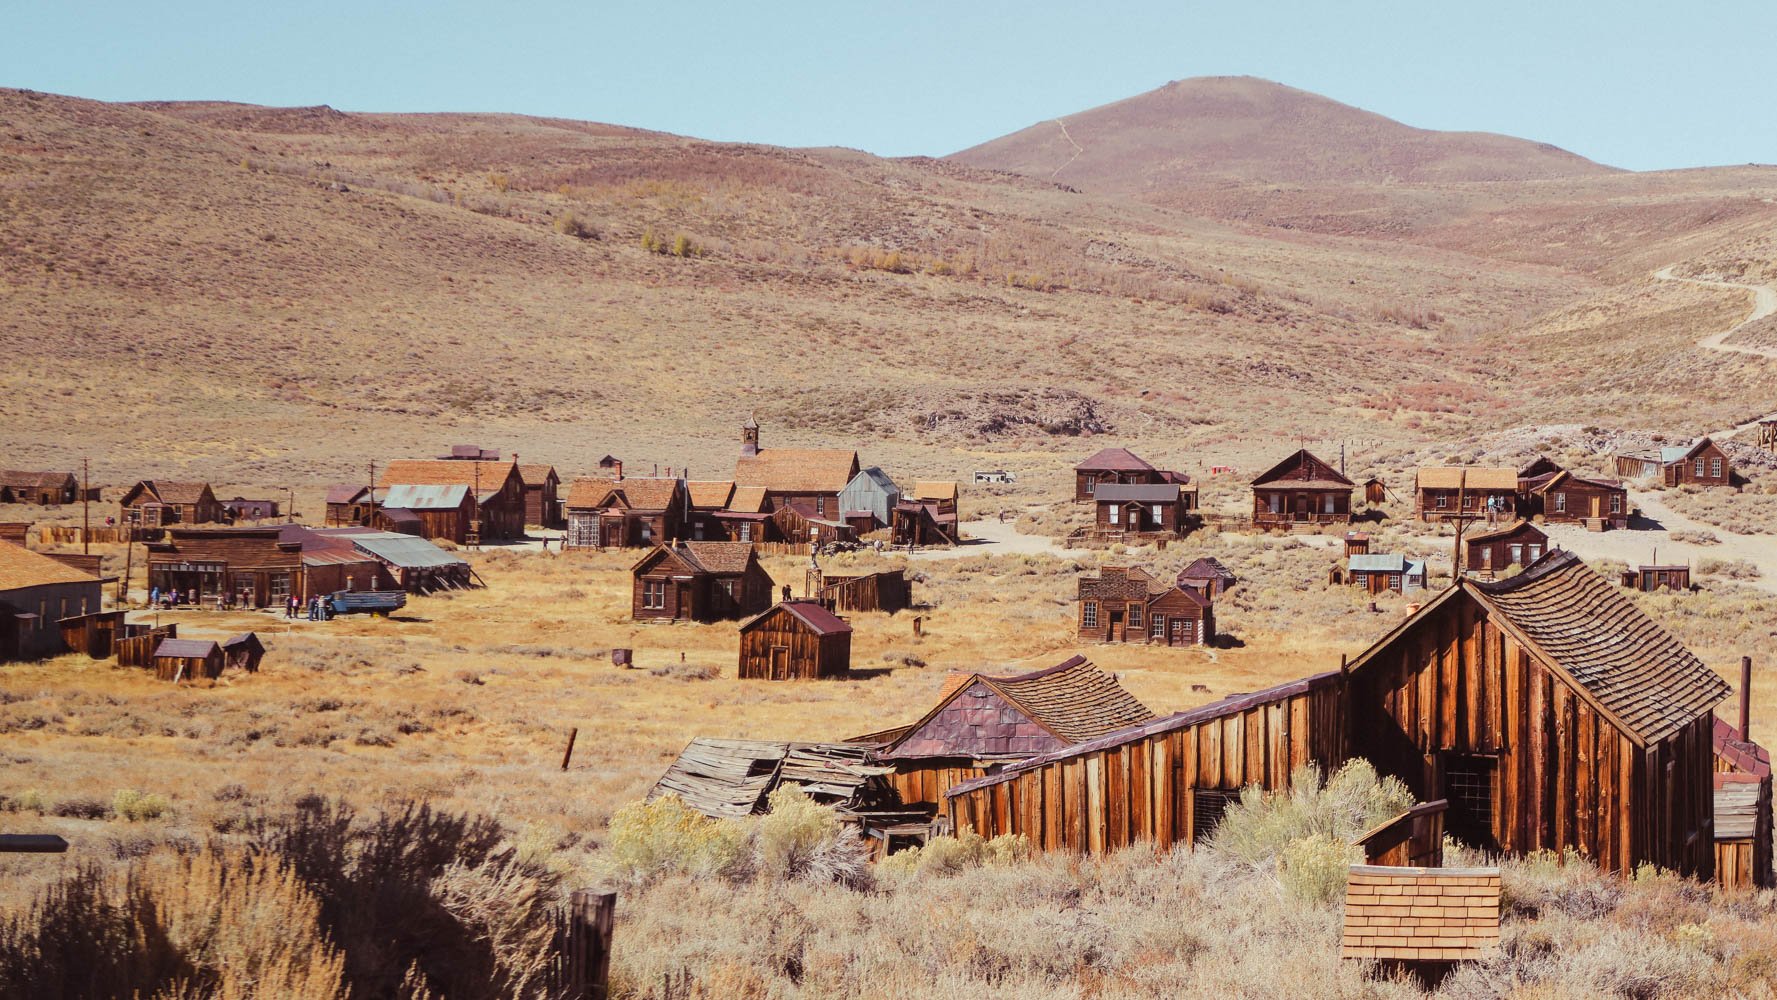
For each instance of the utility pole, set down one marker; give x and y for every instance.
(1461, 523)
(290, 510)
(86, 507)
(370, 505)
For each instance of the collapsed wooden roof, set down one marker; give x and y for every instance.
(726, 778)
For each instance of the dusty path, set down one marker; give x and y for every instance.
(993, 537)
(1764, 303)
(1637, 548)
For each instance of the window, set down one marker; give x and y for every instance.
(1487, 557)
(654, 594)
(1468, 501)
(1536, 552)
(697, 530)
(1276, 503)
(42, 614)
(1443, 501)
(1328, 506)
(1157, 627)
(1091, 485)
(1561, 502)
(1715, 468)
(1616, 503)
(1394, 582)
(280, 588)
(1116, 514)
(1518, 554)
(1699, 468)
(647, 531)
(746, 532)
(727, 588)
(1207, 807)
(1089, 614)
(820, 506)
(1135, 618)
(1468, 785)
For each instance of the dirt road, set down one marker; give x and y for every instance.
(1637, 548)
(1764, 303)
(995, 537)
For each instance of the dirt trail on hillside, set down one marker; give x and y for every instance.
(1764, 303)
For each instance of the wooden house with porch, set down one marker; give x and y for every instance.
(248, 567)
(1599, 504)
(1701, 463)
(42, 489)
(1488, 553)
(625, 513)
(982, 722)
(699, 582)
(811, 478)
(157, 503)
(1301, 490)
(796, 640)
(496, 491)
(1129, 604)
(1141, 511)
(36, 594)
(1445, 492)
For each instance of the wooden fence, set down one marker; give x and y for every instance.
(781, 548)
(581, 969)
(138, 650)
(51, 534)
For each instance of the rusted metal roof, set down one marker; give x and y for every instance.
(822, 621)
(1114, 460)
(413, 497)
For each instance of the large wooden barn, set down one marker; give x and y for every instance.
(699, 582)
(36, 593)
(796, 640)
(155, 503)
(1301, 489)
(1547, 709)
(496, 490)
(981, 723)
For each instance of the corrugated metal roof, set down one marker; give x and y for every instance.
(405, 551)
(411, 497)
(1377, 562)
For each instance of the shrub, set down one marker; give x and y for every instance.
(801, 839)
(81, 807)
(951, 855)
(663, 835)
(138, 806)
(569, 224)
(1260, 827)
(29, 800)
(1314, 868)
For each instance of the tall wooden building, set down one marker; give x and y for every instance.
(796, 640)
(812, 478)
(1301, 489)
(542, 503)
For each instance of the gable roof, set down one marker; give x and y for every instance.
(346, 492)
(636, 494)
(817, 618)
(186, 648)
(491, 476)
(1302, 469)
(246, 640)
(873, 475)
(1476, 477)
(1114, 460)
(1074, 700)
(1742, 756)
(407, 497)
(1542, 466)
(720, 558)
(1206, 568)
(171, 492)
(1564, 475)
(537, 475)
(1377, 562)
(1420, 914)
(925, 489)
(747, 500)
(709, 494)
(1583, 627)
(18, 479)
(20, 567)
(1513, 528)
(1136, 493)
(797, 470)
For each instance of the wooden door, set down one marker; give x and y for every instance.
(780, 663)
(682, 602)
(1304, 506)
(1116, 620)
(1597, 505)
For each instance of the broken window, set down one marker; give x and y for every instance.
(1207, 808)
(1468, 785)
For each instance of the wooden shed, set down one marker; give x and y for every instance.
(44, 489)
(1379, 572)
(798, 523)
(1651, 578)
(1517, 544)
(887, 591)
(243, 652)
(1552, 713)
(1445, 492)
(983, 722)
(1167, 781)
(1742, 810)
(187, 659)
(1565, 498)
(1301, 489)
(870, 497)
(700, 582)
(796, 640)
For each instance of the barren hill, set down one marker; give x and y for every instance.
(279, 295)
(1190, 133)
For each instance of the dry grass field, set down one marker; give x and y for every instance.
(270, 299)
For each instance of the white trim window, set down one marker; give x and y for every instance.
(1699, 466)
(1616, 503)
(1116, 514)
(1157, 626)
(1561, 503)
(654, 594)
(1715, 468)
(1089, 614)
(1135, 618)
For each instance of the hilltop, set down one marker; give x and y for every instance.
(1208, 130)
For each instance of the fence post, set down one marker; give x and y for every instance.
(591, 917)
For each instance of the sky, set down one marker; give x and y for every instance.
(1633, 84)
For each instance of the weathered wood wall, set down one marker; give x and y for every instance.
(806, 655)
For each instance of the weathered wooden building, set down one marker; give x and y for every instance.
(705, 500)
(470, 453)
(725, 779)
(1742, 803)
(37, 593)
(700, 582)
(188, 660)
(625, 513)
(1565, 498)
(255, 567)
(747, 518)
(797, 522)
(1141, 511)
(1167, 781)
(1111, 466)
(1129, 604)
(887, 591)
(867, 502)
(1208, 577)
(1701, 463)
(542, 500)
(1377, 572)
(1652, 578)
(427, 512)
(1552, 713)
(43, 489)
(1301, 489)
(980, 723)
(248, 509)
(156, 503)
(1519, 543)
(405, 562)
(349, 505)
(796, 640)
(928, 515)
(243, 652)
(496, 491)
(810, 477)
(1444, 492)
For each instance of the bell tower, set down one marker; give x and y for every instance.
(749, 436)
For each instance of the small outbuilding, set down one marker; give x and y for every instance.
(796, 640)
(187, 659)
(1517, 544)
(1652, 578)
(1378, 572)
(243, 652)
(1208, 577)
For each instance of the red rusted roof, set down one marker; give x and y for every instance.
(1742, 756)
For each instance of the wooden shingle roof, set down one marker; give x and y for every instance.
(1420, 914)
(709, 495)
(720, 558)
(747, 500)
(445, 472)
(636, 494)
(1206, 568)
(1639, 673)
(1073, 702)
(536, 475)
(797, 470)
(1477, 477)
(1114, 460)
(18, 479)
(1303, 470)
(725, 778)
(930, 490)
(20, 568)
(176, 492)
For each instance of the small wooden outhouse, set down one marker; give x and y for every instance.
(796, 640)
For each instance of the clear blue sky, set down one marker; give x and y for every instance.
(1636, 84)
